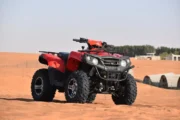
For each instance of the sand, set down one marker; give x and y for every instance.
(16, 103)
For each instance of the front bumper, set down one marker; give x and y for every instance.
(111, 75)
(109, 69)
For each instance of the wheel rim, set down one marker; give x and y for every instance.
(38, 86)
(72, 88)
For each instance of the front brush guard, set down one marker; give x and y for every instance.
(94, 69)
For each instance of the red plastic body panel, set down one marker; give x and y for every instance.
(108, 54)
(74, 60)
(76, 57)
(105, 54)
(55, 62)
(95, 42)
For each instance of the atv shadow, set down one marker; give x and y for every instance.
(30, 100)
(138, 80)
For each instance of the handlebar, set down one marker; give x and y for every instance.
(81, 40)
(76, 40)
(84, 40)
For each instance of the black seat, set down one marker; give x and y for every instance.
(64, 56)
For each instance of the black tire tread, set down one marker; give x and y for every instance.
(91, 98)
(48, 91)
(130, 92)
(83, 87)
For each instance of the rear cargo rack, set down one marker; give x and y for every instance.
(48, 52)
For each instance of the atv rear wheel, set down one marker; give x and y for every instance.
(77, 87)
(41, 89)
(128, 94)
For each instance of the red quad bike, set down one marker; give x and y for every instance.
(82, 74)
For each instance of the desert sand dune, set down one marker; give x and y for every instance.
(16, 103)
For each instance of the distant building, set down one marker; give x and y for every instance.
(148, 56)
(173, 57)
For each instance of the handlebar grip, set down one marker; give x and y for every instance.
(83, 40)
(77, 40)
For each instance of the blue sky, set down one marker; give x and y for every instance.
(33, 25)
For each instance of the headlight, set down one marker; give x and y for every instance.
(128, 61)
(88, 58)
(123, 63)
(95, 61)
(91, 60)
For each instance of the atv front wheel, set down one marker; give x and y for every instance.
(91, 97)
(41, 89)
(127, 94)
(77, 87)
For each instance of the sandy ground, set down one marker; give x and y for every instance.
(16, 103)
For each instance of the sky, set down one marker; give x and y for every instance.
(33, 25)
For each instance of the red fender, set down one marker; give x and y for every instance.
(74, 60)
(55, 62)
